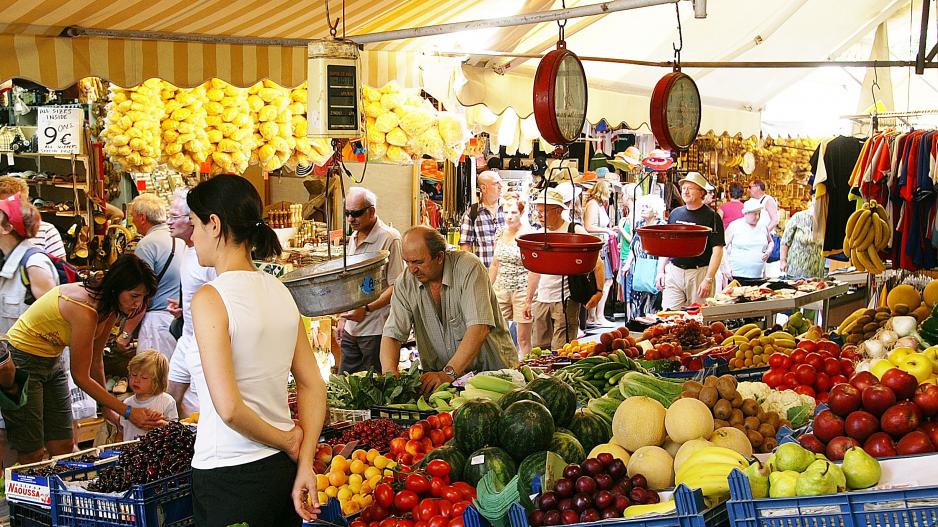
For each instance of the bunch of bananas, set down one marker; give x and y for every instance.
(273, 124)
(185, 142)
(868, 233)
(229, 126)
(708, 469)
(132, 126)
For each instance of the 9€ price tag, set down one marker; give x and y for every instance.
(59, 130)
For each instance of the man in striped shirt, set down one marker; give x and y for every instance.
(48, 238)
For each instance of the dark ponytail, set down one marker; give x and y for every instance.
(239, 209)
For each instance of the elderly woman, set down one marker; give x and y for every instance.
(596, 222)
(800, 250)
(748, 245)
(641, 292)
(509, 277)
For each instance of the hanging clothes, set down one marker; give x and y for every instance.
(840, 158)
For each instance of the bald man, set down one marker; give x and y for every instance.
(446, 297)
(482, 220)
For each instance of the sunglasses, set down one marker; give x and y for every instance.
(356, 213)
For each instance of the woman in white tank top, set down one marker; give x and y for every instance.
(250, 458)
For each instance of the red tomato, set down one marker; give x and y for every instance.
(417, 483)
(452, 494)
(358, 523)
(434, 421)
(446, 419)
(467, 490)
(456, 522)
(439, 521)
(805, 390)
(438, 468)
(437, 484)
(797, 356)
(388, 522)
(805, 374)
(384, 495)
(406, 522)
(780, 361)
(808, 345)
(421, 523)
(418, 458)
(427, 509)
(459, 507)
(405, 500)
(446, 508)
(774, 377)
(448, 432)
(790, 379)
(825, 354)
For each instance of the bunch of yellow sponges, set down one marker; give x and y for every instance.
(229, 126)
(132, 127)
(185, 144)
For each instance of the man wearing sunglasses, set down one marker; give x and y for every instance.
(360, 329)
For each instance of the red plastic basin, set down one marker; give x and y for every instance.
(559, 253)
(675, 240)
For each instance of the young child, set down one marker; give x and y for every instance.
(149, 375)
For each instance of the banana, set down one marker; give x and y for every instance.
(717, 454)
(753, 333)
(887, 235)
(863, 259)
(865, 238)
(711, 486)
(881, 212)
(651, 508)
(847, 245)
(852, 223)
(785, 343)
(746, 328)
(877, 262)
(861, 227)
(700, 472)
(850, 320)
(735, 339)
(855, 260)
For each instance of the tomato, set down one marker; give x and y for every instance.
(456, 522)
(446, 508)
(467, 490)
(780, 361)
(805, 390)
(448, 432)
(438, 468)
(805, 374)
(418, 458)
(384, 495)
(405, 500)
(808, 345)
(358, 523)
(417, 483)
(459, 507)
(815, 360)
(452, 494)
(446, 419)
(437, 484)
(774, 377)
(421, 523)
(406, 522)
(379, 513)
(427, 509)
(790, 379)
(797, 356)
(439, 521)
(388, 522)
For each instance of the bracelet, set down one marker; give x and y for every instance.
(367, 309)
(127, 412)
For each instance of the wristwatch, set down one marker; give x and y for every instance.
(449, 370)
(708, 279)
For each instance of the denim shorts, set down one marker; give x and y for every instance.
(47, 414)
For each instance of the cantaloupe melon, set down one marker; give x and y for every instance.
(688, 419)
(930, 294)
(687, 449)
(903, 294)
(655, 464)
(732, 438)
(671, 446)
(611, 448)
(638, 422)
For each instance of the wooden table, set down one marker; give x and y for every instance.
(767, 308)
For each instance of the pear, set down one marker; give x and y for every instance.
(792, 456)
(758, 475)
(782, 484)
(861, 469)
(816, 480)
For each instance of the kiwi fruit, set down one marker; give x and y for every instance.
(709, 396)
(720, 423)
(755, 438)
(766, 430)
(710, 380)
(768, 445)
(737, 401)
(692, 387)
(771, 418)
(722, 409)
(737, 417)
(750, 408)
(751, 423)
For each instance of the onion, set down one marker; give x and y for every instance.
(887, 338)
(904, 326)
(907, 342)
(873, 349)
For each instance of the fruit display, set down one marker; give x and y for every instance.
(599, 488)
(577, 350)
(352, 481)
(863, 324)
(795, 471)
(412, 445)
(754, 348)
(615, 340)
(797, 324)
(425, 496)
(132, 127)
(707, 469)
(593, 376)
(162, 452)
(868, 233)
(788, 404)
(686, 333)
(810, 369)
(732, 415)
(886, 417)
(375, 433)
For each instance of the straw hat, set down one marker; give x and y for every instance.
(587, 179)
(559, 171)
(553, 198)
(751, 205)
(697, 179)
(567, 191)
(628, 160)
(658, 160)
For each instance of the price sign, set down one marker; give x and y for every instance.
(60, 130)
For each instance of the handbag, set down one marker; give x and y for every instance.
(582, 286)
(776, 249)
(644, 274)
(175, 328)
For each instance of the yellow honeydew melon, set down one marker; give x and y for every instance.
(732, 438)
(688, 419)
(638, 422)
(655, 464)
(688, 449)
(611, 448)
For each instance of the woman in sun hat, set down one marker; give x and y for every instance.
(748, 245)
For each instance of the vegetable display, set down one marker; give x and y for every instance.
(365, 390)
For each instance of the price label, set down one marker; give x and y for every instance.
(60, 130)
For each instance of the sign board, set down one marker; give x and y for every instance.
(60, 129)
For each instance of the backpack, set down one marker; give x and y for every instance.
(583, 286)
(67, 273)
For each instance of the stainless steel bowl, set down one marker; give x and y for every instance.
(328, 288)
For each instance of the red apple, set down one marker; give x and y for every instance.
(877, 398)
(862, 380)
(815, 360)
(926, 398)
(930, 428)
(844, 398)
(901, 419)
(805, 374)
(812, 443)
(880, 445)
(915, 442)
(903, 383)
(823, 382)
(828, 425)
(838, 446)
(860, 425)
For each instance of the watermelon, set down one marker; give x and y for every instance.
(590, 429)
(489, 459)
(453, 456)
(564, 431)
(567, 447)
(520, 394)
(474, 425)
(532, 467)
(559, 397)
(525, 427)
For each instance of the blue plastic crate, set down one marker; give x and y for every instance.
(749, 374)
(163, 503)
(917, 507)
(332, 513)
(689, 512)
(25, 515)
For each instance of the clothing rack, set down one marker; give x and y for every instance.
(874, 117)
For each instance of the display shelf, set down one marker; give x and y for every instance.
(80, 185)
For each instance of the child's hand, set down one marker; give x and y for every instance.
(146, 419)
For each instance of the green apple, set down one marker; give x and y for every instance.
(881, 366)
(897, 355)
(918, 365)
